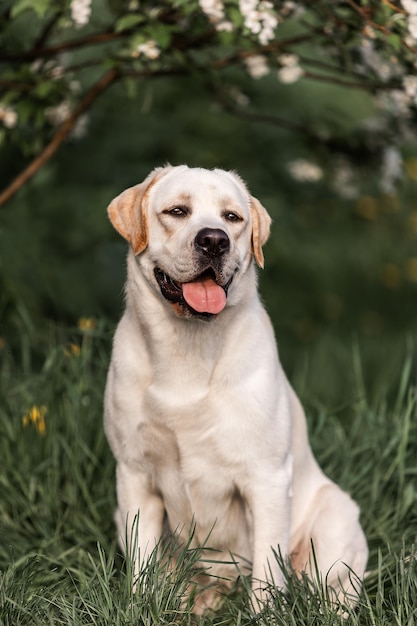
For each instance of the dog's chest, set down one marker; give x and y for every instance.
(197, 427)
(192, 469)
(187, 441)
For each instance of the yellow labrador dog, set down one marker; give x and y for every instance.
(204, 425)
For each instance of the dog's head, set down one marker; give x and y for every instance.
(194, 232)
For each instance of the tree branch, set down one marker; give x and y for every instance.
(39, 52)
(231, 107)
(263, 118)
(272, 47)
(73, 44)
(333, 144)
(364, 13)
(351, 84)
(10, 85)
(43, 37)
(61, 134)
(394, 8)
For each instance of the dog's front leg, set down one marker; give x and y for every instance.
(271, 518)
(139, 516)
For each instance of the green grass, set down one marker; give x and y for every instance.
(59, 561)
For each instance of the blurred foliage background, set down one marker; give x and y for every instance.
(342, 257)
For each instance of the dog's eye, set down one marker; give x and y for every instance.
(232, 217)
(178, 211)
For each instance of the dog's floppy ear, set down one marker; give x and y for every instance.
(261, 223)
(128, 211)
(261, 220)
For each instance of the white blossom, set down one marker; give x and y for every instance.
(36, 66)
(304, 171)
(412, 26)
(214, 9)
(149, 49)
(225, 26)
(75, 86)
(290, 70)
(80, 128)
(8, 116)
(372, 59)
(238, 96)
(257, 66)
(56, 72)
(290, 75)
(410, 87)
(58, 114)
(259, 19)
(410, 6)
(343, 180)
(80, 12)
(395, 101)
(293, 9)
(392, 169)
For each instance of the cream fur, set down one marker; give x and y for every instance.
(202, 421)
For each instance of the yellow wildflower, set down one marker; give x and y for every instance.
(36, 416)
(367, 208)
(72, 349)
(410, 166)
(86, 324)
(411, 270)
(390, 275)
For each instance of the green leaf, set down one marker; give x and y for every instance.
(236, 17)
(131, 86)
(180, 3)
(44, 88)
(39, 6)
(128, 21)
(20, 6)
(26, 110)
(395, 41)
(161, 34)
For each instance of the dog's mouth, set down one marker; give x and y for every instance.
(202, 296)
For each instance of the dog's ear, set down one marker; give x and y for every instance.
(261, 223)
(128, 211)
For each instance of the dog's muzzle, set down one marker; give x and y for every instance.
(205, 295)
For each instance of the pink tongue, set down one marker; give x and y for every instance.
(205, 296)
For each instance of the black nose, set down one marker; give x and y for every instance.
(212, 241)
